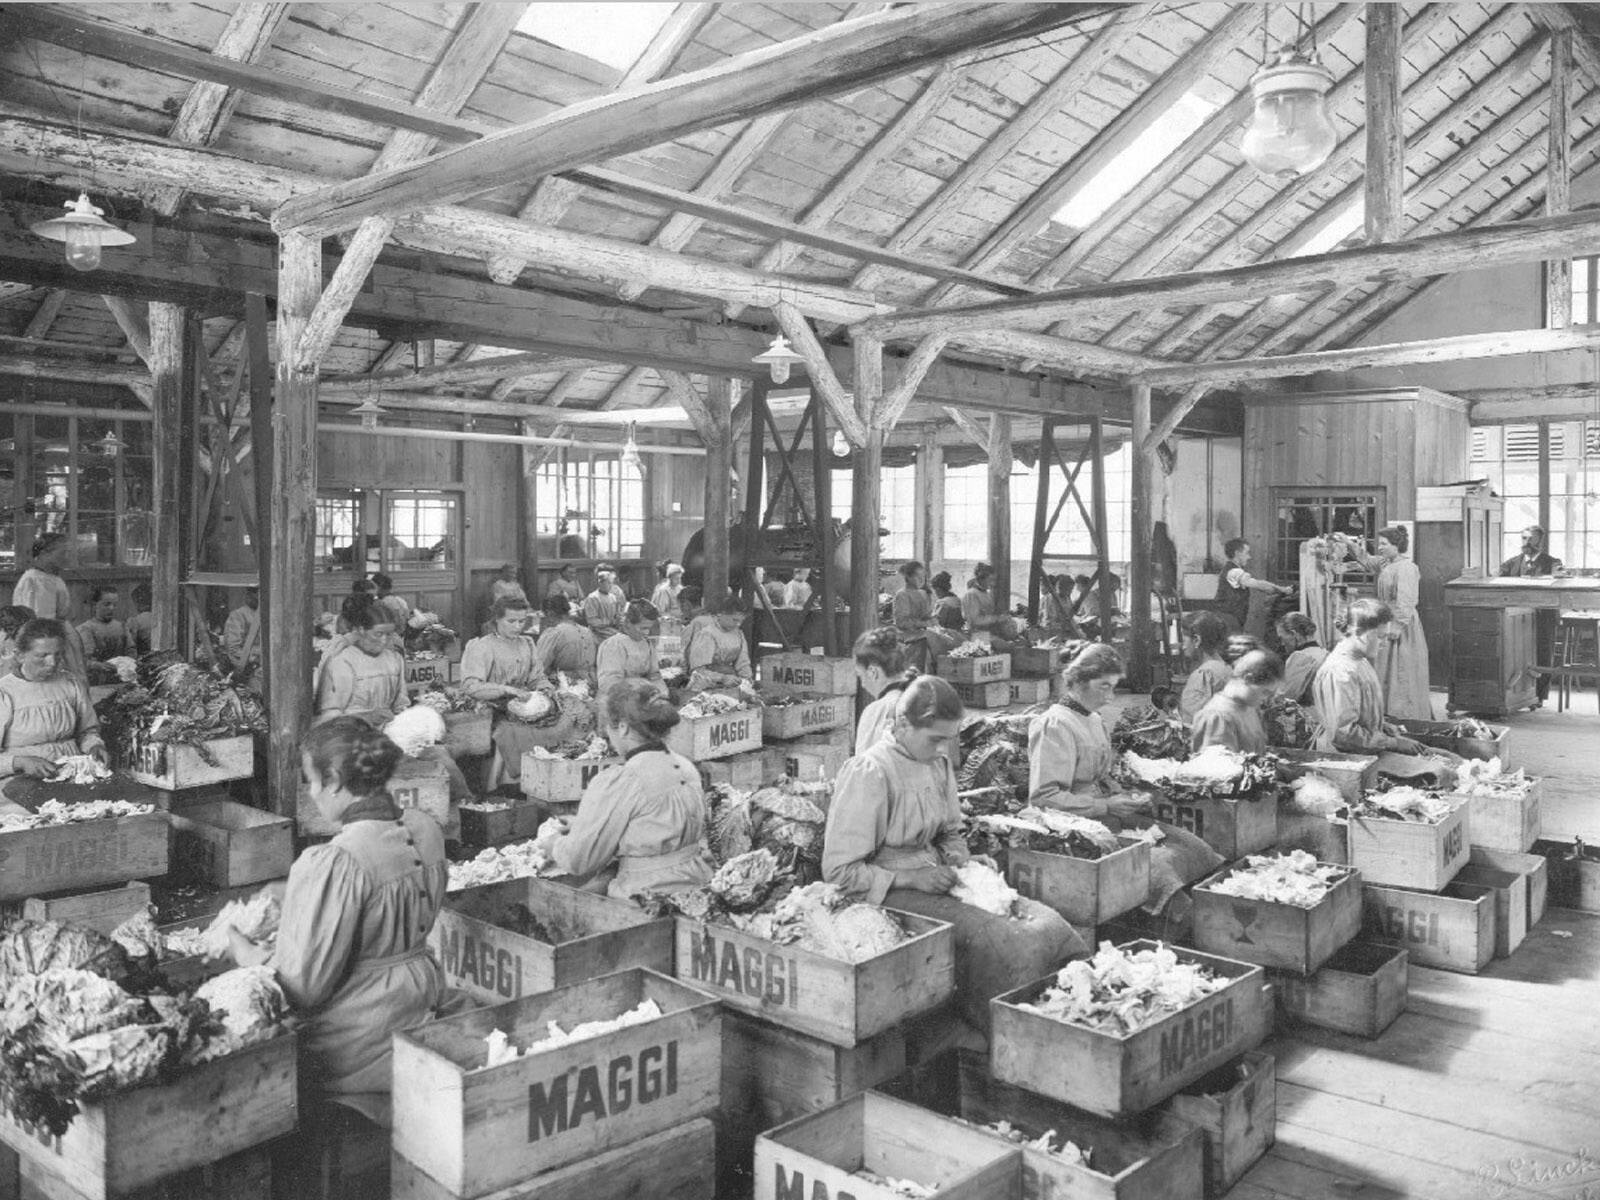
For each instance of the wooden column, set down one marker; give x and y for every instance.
(822, 515)
(191, 515)
(1041, 516)
(1386, 137)
(1102, 537)
(528, 517)
(1000, 508)
(169, 438)
(258, 353)
(720, 399)
(293, 512)
(1139, 527)
(1558, 185)
(930, 499)
(1544, 480)
(866, 493)
(755, 497)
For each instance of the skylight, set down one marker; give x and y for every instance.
(1147, 151)
(1332, 231)
(615, 34)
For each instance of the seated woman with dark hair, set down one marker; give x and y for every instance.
(718, 656)
(944, 598)
(45, 714)
(1298, 633)
(1232, 717)
(880, 658)
(1205, 638)
(628, 653)
(1348, 694)
(563, 645)
(640, 826)
(912, 612)
(497, 668)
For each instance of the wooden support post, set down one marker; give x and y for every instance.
(1386, 136)
(822, 520)
(1544, 478)
(1558, 187)
(755, 492)
(166, 331)
(1041, 517)
(190, 519)
(719, 403)
(1102, 537)
(930, 498)
(258, 354)
(527, 516)
(866, 492)
(1139, 529)
(1000, 508)
(293, 515)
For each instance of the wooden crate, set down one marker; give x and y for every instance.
(1030, 691)
(1535, 869)
(787, 674)
(101, 909)
(1503, 822)
(816, 715)
(1143, 1159)
(1120, 1076)
(229, 844)
(985, 695)
(1085, 891)
(467, 734)
(420, 673)
(1233, 828)
(1452, 929)
(839, 1002)
(676, 1164)
(812, 764)
(475, 941)
(132, 1139)
(495, 823)
(816, 1156)
(474, 1129)
(771, 1075)
(173, 768)
(989, 668)
(1283, 936)
(745, 772)
(561, 780)
(66, 858)
(1352, 774)
(1235, 1108)
(1409, 854)
(417, 783)
(1361, 990)
(1324, 839)
(1438, 735)
(1041, 661)
(1574, 882)
(1510, 904)
(702, 738)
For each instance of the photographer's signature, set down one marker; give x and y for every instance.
(1500, 1178)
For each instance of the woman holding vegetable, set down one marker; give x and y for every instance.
(1070, 763)
(628, 654)
(1348, 693)
(640, 826)
(45, 714)
(718, 655)
(501, 666)
(352, 952)
(894, 838)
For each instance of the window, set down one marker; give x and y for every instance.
(391, 531)
(966, 512)
(338, 525)
(421, 531)
(1147, 151)
(615, 34)
(1303, 514)
(1585, 302)
(89, 479)
(899, 503)
(589, 506)
(1508, 456)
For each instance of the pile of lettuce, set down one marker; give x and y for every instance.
(176, 703)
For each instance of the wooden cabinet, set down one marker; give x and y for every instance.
(1490, 656)
(1457, 534)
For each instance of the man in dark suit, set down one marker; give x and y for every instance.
(1534, 561)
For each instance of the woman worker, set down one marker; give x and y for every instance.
(1298, 633)
(881, 671)
(352, 953)
(365, 679)
(1205, 636)
(628, 654)
(1232, 717)
(563, 645)
(45, 712)
(645, 818)
(894, 838)
(1402, 659)
(912, 610)
(1347, 692)
(1069, 768)
(500, 666)
(718, 655)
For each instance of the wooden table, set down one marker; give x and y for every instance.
(1492, 635)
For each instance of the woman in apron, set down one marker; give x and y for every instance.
(45, 712)
(352, 953)
(1401, 663)
(501, 666)
(718, 655)
(628, 654)
(639, 826)
(1232, 718)
(1069, 768)
(894, 838)
(564, 646)
(912, 610)
(1298, 633)
(1205, 637)
(1349, 695)
(881, 671)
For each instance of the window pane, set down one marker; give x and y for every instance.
(966, 512)
(97, 538)
(900, 511)
(338, 522)
(421, 532)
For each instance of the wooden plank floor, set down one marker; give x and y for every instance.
(1488, 1087)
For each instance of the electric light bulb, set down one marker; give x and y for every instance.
(1289, 132)
(83, 247)
(841, 447)
(779, 372)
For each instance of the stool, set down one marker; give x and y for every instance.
(1577, 654)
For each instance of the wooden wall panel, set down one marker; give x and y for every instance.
(350, 458)
(490, 473)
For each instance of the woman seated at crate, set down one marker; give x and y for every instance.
(1205, 638)
(45, 714)
(628, 653)
(1070, 761)
(1232, 717)
(103, 636)
(1298, 633)
(499, 667)
(912, 612)
(944, 596)
(564, 646)
(640, 827)
(366, 679)
(352, 953)
(718, 655)
(894, 838)
(880, 658)
(1055, 608)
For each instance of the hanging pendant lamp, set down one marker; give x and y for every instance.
(84, 231)
(779, 357)
(630, 450)
(1289, 133)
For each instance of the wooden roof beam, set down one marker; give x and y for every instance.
(1552, 402)
(1558, 171)
(829, 61)
(478, 370)
(44, 317)
(1385, 172)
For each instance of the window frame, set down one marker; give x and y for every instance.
(554, 472)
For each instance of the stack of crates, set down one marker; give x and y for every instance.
(982, 681)
(810, 737)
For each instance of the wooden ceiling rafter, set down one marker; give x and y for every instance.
(44, 317)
